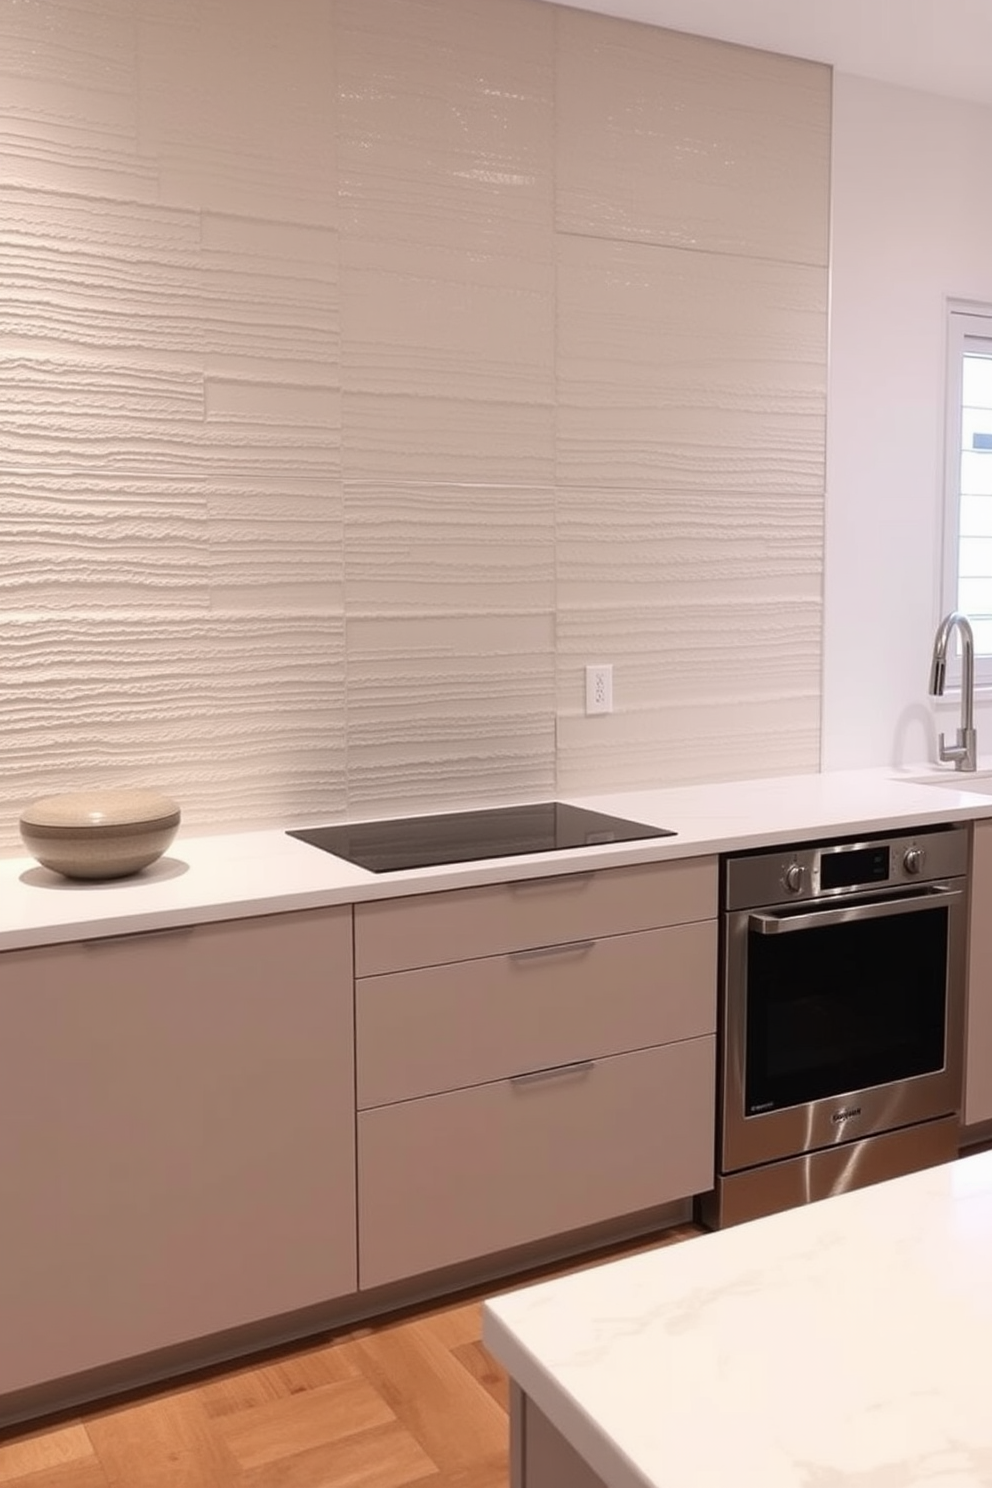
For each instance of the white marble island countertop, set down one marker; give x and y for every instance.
(845, 1344)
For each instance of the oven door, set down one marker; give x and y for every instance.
(841, 1020)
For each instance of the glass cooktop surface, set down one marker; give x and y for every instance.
(467, 836)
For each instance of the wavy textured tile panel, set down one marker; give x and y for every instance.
(72, 542)
(689, 370)
(673, 139)
(240, 717)
(238, 106)
(281, 428)
(704, 686)
(99, 276)
(429, 549)
(449, 709)
(441, 322)
(617, 547)
(99, 416)
(446, 123)
(276, 544)
(689, 745)
(68, 81)
(402, 437)
(270, 300)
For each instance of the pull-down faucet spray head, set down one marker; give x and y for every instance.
(963, 753)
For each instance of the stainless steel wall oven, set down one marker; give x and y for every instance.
(842, 1013)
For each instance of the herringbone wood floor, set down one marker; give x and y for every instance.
(413, 1400)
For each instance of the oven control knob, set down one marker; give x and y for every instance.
(912, 859)
(793, 878)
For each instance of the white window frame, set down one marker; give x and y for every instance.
(967, 323)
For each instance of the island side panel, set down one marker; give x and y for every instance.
(540, 1457)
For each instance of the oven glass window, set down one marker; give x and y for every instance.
(841, 1008)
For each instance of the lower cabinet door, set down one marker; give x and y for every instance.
(176, 1138)
(453, 1177)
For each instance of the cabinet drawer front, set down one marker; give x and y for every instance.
(454, 1177)
(446, 1027)
(430, 929)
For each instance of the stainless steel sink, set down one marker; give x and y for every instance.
(976, 783)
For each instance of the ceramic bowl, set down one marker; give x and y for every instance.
(99, 834)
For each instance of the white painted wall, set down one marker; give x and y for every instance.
(912, 227)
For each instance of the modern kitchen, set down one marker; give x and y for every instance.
(499, 755)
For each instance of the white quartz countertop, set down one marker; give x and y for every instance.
(233, 875)
(847, 1342)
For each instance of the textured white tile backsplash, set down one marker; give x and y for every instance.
(306, 309)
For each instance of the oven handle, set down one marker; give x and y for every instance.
(772, 924)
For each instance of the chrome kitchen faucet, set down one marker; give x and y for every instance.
(964, 751)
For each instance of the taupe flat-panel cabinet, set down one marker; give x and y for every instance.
(978, 1054)
(176, 1137)
(532, 1058)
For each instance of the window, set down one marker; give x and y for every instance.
(967, 575)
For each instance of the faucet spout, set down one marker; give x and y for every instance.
(963, 753)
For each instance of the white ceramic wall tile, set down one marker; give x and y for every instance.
(618, 547)
(68, 81)
(73, 541)
(270, 300)
(449, 709)
(97, 277)
(104, 415)
(428, 549)
(175, 424)
(446, 123)
(442, 322)
(271, 347)
(404, 437)
(759, 738)
(277, 428)
(447, 364)
(689, 370)
(276, 543)
(705, 686)
(238, 106)
(672, 139)
(240, 718)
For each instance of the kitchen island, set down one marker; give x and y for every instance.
(843, 1343)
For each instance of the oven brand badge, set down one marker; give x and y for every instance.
(847, 1115)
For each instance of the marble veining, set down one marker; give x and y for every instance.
(841, 1343)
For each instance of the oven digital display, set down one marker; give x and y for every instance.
(847, 870)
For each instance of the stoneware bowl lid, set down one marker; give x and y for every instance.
(101, 808)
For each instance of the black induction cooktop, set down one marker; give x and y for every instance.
(466, 836)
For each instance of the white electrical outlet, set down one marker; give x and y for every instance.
(599, 689)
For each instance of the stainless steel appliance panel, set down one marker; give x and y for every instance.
(843, 970)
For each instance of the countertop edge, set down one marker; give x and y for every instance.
(231, 876)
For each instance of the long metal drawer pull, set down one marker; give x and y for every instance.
(771, 924)
(567, 948)
(95, 941)
(556, 1072)
(552, 881)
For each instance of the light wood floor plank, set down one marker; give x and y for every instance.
(485, 1371)
(452, 1417)
(165, 1442)
(241, 1388)
(84, 1474)
(65, 1447)
(299, 1423)
(386, 1457)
